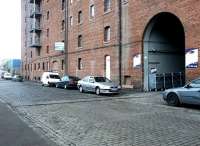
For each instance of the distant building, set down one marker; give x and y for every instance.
(13, 66)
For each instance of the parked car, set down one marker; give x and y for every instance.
(189, 94)
(67, 82)
(7, 76)
(50, 78)
(2, 74)
(98, 85)
(17, 78)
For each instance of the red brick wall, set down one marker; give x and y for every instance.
(141, 12)
(135, 15)
(94, 49)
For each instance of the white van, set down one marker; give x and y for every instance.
(50, 78)
(7, 76)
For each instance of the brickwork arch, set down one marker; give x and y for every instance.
(163, 46)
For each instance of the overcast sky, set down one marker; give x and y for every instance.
(10, 29)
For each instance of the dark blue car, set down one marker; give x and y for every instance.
(68, 82)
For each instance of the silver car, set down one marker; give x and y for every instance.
(189, 94)
(98, 85)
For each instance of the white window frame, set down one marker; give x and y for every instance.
(92, 11)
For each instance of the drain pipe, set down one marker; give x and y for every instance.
(120, 40)
(66, 39)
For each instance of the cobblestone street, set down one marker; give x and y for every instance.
(70, 118)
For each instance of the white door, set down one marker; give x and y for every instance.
(107, 67)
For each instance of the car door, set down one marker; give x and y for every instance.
(91, 84)
(191, 93)
(84, 83)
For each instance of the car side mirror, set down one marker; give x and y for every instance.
(47, 77)
(188, 86)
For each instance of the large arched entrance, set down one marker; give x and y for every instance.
(163, 48)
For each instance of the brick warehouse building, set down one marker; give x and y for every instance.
(42, 26)
(123, 40)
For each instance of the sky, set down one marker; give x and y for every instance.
(10, 29)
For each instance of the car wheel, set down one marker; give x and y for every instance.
(97, 91)
(65, 87)
(81, 89)
(172, 99)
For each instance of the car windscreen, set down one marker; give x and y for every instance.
(54, 76)
(101, 79)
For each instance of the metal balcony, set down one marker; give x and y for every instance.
(35, 1)
(35, 42)
(35, 12)
(35, 29)
(35, 45)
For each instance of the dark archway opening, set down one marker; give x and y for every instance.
(164, 52)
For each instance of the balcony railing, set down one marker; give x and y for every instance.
(35, 12)
(35, 27)
(35, 42)
(35, 1)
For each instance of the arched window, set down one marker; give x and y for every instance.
(107, 5)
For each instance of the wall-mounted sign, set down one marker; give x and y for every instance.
(59, 46)
(137, 61)
(153, 70)
(191, 58)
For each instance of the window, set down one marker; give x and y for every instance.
(47, 65)
(80, 39)
(80, 66)
(63, 25)
(107, 5)
(79, 16)
(71, 20)
(38, 66)
(31, 67)
(195, 83)
(34, 66)
(107, 34)
(47, 32)
(47, 15)
(43, 66)
(31, 54)
(38, 52)
(63, 4)
(47, 49)
(92, 11)
(62, 64)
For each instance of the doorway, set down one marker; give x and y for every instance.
(107, 67)
(163, 47)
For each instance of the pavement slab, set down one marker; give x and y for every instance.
(70, 118)
(15, 132)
